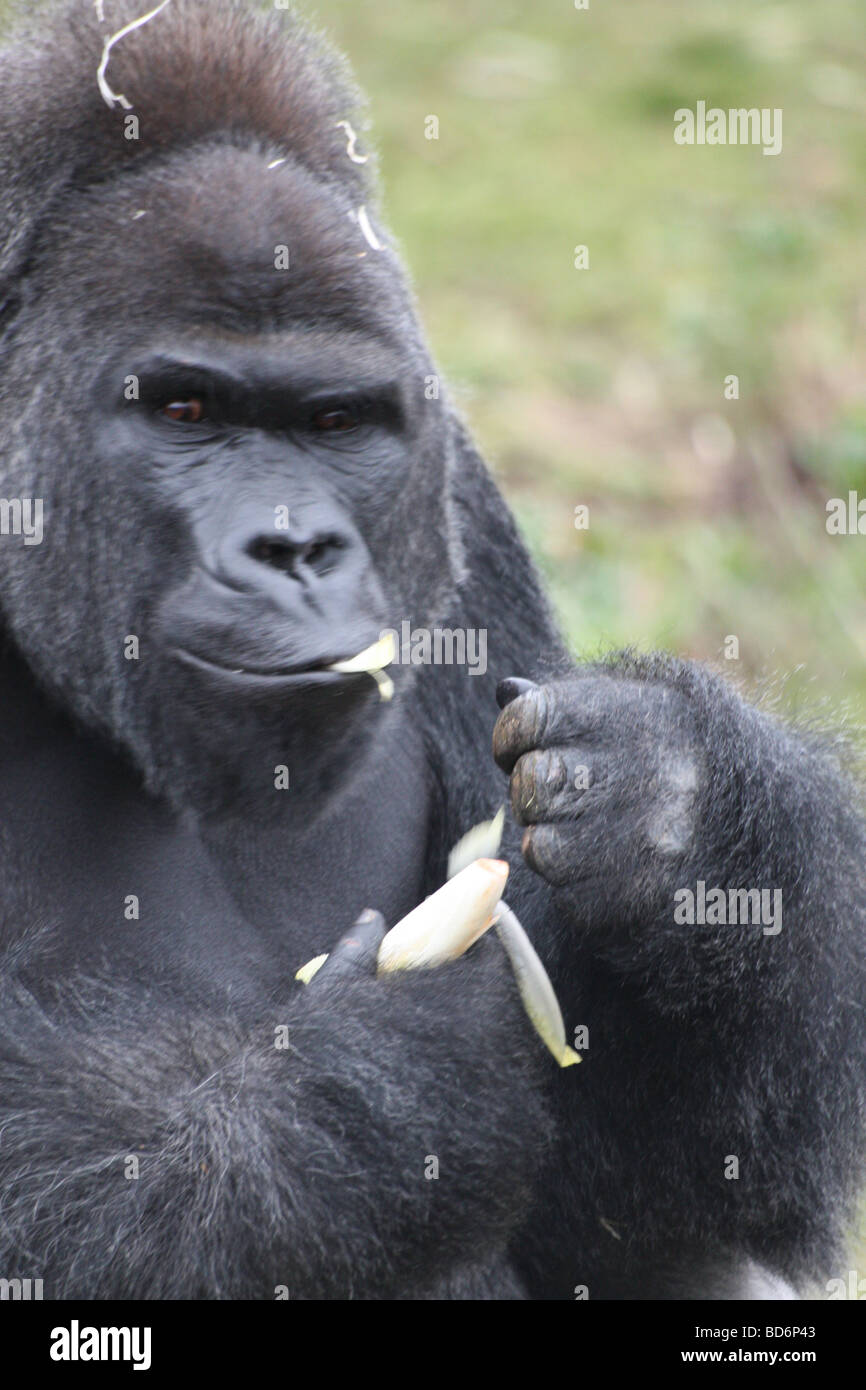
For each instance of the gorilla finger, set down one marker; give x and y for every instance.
(537, 781)
(509, 689)
(521, 726)
(583, 706)
(550, 851)
(356, 953)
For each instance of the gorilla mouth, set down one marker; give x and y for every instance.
(369, 662)
(322, 669)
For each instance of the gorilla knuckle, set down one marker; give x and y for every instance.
(520, 727)
(546, 849)
(674, 814)
(538, 778)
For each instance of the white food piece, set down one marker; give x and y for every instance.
(481, 842)
(449, 921)
(372, 661)
(536, 991)
(442, 927)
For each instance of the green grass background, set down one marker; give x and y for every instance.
(605, 386)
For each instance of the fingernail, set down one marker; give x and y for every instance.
(510, 688)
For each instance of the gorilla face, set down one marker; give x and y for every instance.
(239, 465)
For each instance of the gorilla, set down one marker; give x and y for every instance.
(213, 382)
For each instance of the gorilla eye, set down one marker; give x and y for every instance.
(336, 421)
(189, 412)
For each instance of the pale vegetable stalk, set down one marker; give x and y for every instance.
(443, 926)
(372, 661)
(448, 922)
(536, 991)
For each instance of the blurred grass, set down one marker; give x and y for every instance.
(605, 386)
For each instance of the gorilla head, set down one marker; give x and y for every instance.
(231, 433)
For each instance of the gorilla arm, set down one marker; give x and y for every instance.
(260, 1167)
(743, 1039)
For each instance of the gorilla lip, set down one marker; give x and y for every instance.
(371, 661)
(316, 670)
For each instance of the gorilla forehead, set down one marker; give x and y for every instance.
(239, 236)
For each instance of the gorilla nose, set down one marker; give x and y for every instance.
(299, 557)
(318, 562)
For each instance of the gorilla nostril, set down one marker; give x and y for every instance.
(318, 555)
(278, 554)
(323, 556)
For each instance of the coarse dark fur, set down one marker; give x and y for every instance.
(154, 1139)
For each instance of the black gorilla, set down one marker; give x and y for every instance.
(201, 326)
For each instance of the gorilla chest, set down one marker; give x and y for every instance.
(130, 887)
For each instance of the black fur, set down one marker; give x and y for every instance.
(261, 1166)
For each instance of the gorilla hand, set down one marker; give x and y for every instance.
(605, 773)
(460, 1078)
